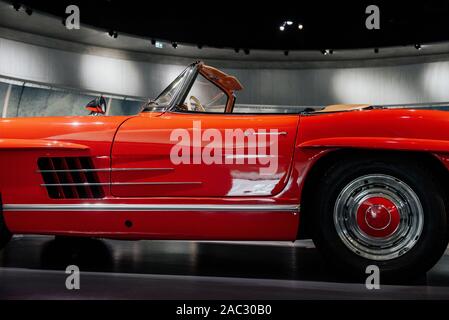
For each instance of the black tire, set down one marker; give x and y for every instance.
(5, 235)
(70, 239)
(328, 237)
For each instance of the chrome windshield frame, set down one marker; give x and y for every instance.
(190, 74)
(180, 95)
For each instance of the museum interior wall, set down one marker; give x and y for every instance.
(48, 81)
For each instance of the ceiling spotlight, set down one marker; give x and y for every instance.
(246, 51)
(113, 34)
(287, 23)
(157, 44)
(417, 46)
(174, 44)
(16, 6)
(29, 11)
(376, 50)
(286, 53)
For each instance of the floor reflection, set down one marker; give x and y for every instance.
(87, 254)
(245, 260)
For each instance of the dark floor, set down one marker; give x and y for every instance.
(33, 267)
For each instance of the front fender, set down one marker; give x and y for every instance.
(8, 144)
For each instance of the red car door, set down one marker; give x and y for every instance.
(202, 155)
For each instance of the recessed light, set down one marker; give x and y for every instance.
(113, 34)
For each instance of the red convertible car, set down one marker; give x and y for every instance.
(370, 185)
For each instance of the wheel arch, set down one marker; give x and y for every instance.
(317, 170)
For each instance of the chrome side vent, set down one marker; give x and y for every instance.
(70, 178)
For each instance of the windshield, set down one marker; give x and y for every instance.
(165, 99)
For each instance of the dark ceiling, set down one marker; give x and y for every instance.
(255, 25)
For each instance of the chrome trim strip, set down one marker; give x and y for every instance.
(248, 156)
(281, 133)
(140, 169)
(149, 207)
(117, 183)
(103, 169)
(74, 184)
(71, 170)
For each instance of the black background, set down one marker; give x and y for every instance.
(255, 24)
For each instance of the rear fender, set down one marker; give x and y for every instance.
(383, 143)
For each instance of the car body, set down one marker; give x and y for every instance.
(116, 177)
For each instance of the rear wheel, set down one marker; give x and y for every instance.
(382, 212)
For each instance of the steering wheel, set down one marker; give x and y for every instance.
(195, 105)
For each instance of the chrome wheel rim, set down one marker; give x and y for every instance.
(378, 217)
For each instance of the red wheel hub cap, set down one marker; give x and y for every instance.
(378, 217)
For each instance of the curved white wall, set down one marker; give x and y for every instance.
(423, 82)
